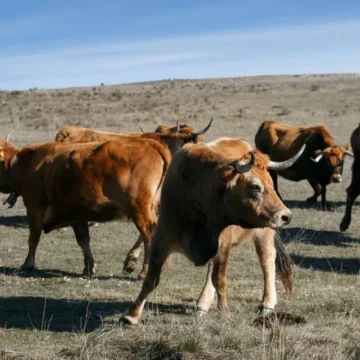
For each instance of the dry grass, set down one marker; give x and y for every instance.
(55, 314)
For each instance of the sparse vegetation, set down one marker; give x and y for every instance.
(53, 313)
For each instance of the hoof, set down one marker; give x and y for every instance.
(89, 273)
(28, 267)
(344, 225)
(141, 277)
(130, 265)
(263, 311)
(128, 320)
(311, 200)
(200, 313)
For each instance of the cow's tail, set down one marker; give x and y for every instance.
(283, 264)
(62, 135)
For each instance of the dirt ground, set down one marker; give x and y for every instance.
(54, 313)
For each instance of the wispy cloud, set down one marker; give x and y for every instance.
(327, 47)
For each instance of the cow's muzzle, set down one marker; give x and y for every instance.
(336, 178)
(281, 219)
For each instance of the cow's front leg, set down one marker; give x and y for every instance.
(159, 254)
(353, 192)
(266, 252)
(317, 191)
(35, 217)
(324, 204)
(207, 295)
(81, 230)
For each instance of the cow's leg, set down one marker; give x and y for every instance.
(81, 230)
(133, 256)
(353, 192)
(146, 223)
(266, 252)
(317, 191)
(219, 278)
(274, 176)
(35, 218)
(208, 293)
(324, 204)
(159, 254)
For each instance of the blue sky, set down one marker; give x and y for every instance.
(48, 44)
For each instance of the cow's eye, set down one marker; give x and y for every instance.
(255, 187)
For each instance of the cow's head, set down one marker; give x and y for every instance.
(333, 159)
(250, 198)
(177, 136)
(7, 151)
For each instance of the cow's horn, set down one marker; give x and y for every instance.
(8, 137)
(204, 130)
(177, 127)
(318, 158)
(243, 167)
(282, 165)
(349, 153)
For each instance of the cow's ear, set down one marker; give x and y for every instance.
(228, 173)
(2, 154)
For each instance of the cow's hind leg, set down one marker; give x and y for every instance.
(353, 192)
(35, 217)
(146, 223)
(266, 252)
(81, 230)
(159, 254)
(132, 257)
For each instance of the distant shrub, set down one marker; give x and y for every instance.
(315, 87)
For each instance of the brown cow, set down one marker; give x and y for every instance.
(171, 137)
(321, 163)
(76, 183)
(353, 190)
(207, 189)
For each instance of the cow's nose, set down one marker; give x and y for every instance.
(286, 218)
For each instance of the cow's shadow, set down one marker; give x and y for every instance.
(303, 204)
(63, 315)
(348, 266)
(56, 273)
(316, 237)
(19, 221)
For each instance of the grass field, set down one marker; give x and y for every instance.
(54, 313)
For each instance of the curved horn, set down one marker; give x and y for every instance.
(349, 153)
(141, 129)
(204, 130)
(282, 165)
(177, 127)
(243, 167)
(318, 158)
(8, 137)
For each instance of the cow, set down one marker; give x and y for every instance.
(321, 163)
(353, 190)
(206, 189)
(171, 137)
(72, 184)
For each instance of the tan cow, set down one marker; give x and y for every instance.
(72, 184)
(171, 137)
(321, 163)
(207, 189)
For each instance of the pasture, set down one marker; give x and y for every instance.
(54, 313)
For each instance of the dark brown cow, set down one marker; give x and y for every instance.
(207, 189)
(171, 137)
(321, 163)
(353, 190)
(76, 183)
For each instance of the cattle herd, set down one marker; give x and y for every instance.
(183, 195)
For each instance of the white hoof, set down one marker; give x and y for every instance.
(265, 312)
